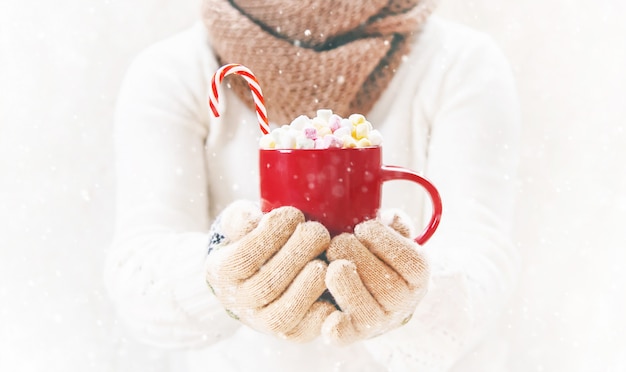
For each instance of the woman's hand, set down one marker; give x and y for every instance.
(377, 276)
(263, 269)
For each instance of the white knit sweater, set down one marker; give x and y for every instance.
(451, 112)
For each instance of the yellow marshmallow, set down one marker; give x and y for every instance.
(364, 142)
(324, 131)
(349, 142)
(361, 131)
(356, 119)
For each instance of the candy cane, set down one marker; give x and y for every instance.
(253, 83)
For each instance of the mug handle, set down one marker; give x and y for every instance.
(392, 172)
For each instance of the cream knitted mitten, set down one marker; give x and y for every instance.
(377, 276)
(263, 269)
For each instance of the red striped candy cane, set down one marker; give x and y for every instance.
(253, 83)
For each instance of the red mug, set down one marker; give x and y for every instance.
(337, 187)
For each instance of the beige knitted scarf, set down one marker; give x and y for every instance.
(312, 54)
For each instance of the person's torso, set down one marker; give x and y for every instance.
(404, 115)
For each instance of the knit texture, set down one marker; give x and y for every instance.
(264, 270)
(309, 54)
(377, 276)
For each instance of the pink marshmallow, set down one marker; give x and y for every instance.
(310, 133)
(334, 122)
(332, 141)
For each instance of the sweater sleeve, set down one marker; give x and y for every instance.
(154, 270)
(472, 159)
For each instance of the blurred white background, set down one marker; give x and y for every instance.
(61, 64)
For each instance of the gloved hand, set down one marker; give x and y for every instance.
(263, 269)
(377, 276)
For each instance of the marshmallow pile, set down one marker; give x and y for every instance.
(325, 130)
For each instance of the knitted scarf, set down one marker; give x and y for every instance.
(312, 54)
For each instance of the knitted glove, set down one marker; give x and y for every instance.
(263, 269)
(377, 276)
